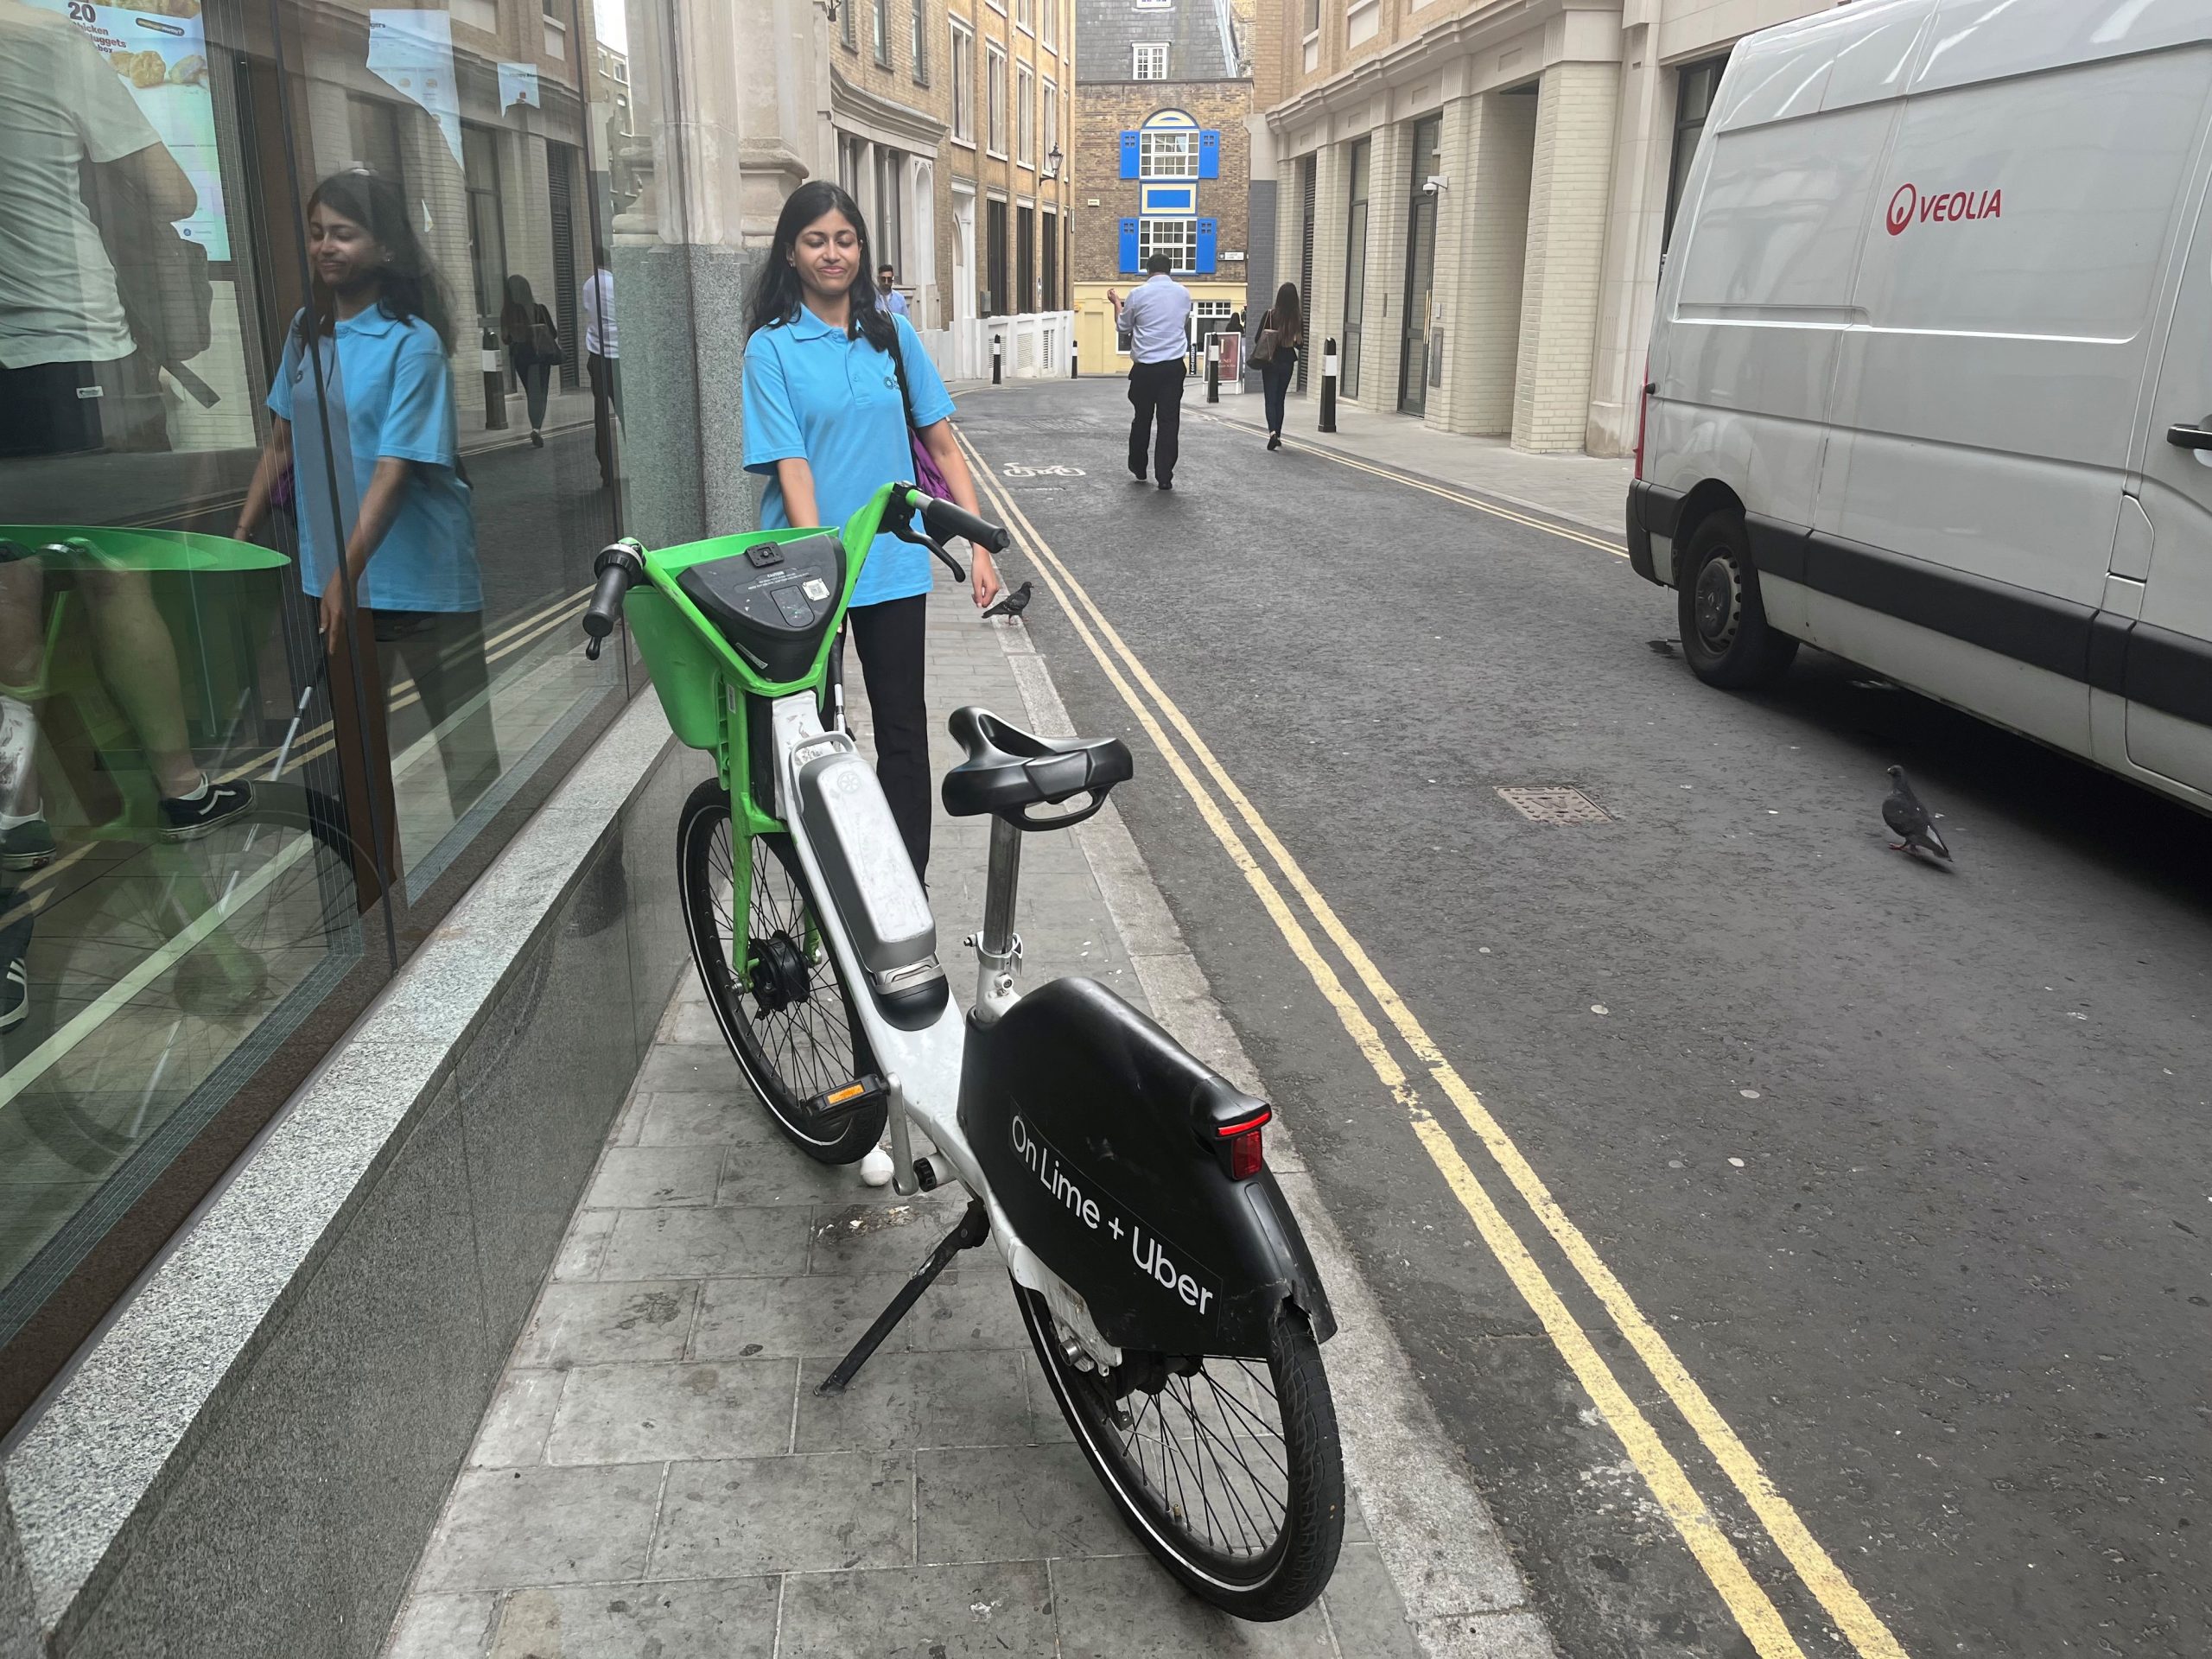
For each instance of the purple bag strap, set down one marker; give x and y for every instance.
(927, 478)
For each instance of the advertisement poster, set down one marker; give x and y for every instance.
(160, 53)
(411, 51)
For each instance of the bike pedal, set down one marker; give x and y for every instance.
(836, 1105)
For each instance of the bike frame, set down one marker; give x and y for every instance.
(711, 694)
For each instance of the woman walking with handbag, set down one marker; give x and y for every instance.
(1275, 353)
(841, 399)
(533, 348)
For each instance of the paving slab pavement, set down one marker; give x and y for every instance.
(656, 1476)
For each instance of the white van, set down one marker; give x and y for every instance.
(1931, 369)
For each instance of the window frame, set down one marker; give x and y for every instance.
(1048, 24)
(1146, 147)
(962, 123)
(1048, 120)
(1025, 17)
(847, 31)
(1024, 117)
(879, 31)
(1138, 59)
(1185, 254)
(1680, 156)
(996, 92)
(918, 42)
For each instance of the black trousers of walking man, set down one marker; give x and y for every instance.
(1156, 389)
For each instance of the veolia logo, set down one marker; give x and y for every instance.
(1910, 205)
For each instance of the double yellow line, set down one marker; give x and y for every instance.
(1217, 797)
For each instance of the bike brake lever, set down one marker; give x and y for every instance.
(950, 563)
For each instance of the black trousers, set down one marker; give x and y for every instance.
(889, 637)
(442, 651)
(606, 374)
(1274, 383)
(1156, 389)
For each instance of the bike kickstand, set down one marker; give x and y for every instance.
(975, 1227)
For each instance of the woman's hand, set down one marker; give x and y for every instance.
(333, 610)
(982, 577)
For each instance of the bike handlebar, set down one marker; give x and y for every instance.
(620, 565)
(945, 518)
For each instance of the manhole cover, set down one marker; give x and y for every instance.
(1555, 804)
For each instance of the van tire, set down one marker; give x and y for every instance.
(1726, 639)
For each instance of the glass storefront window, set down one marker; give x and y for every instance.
(311, 423)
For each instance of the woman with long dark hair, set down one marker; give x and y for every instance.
(362, 407)
(520, 320)
(1287, 323)
(826, 424)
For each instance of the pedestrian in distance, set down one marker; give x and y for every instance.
(390, 560)
(888, 297)
(1157, 317)
(602, 363)
(533, 345)
(1275, 353)
(837, 390)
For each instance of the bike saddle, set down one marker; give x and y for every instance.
(1008, 771)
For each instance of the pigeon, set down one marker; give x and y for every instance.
(1904, 813)
(1013, 604)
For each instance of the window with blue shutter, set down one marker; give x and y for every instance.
(1128, 155)
(1209, 156)
(1128, 244)
(1204, 265)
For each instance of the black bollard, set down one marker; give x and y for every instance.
(1329, 384)
(1213, 368)
(1075, 359)
(495, 385)
(998, 347)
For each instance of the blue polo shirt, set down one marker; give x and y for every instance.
(812, 395)
(394, 401)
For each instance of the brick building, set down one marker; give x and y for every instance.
(1475, 195)
(952, 122)
(1162, 157)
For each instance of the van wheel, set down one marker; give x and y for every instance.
(1726, 639)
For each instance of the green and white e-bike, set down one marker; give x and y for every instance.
(1171, 1297)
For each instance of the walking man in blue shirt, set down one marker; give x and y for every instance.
(888, 297)
(1156, 317)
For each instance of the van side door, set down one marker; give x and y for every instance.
(2166, 672)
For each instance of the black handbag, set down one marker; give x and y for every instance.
(544, 337)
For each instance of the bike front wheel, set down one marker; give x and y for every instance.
(1229, 1470)
(771, 979)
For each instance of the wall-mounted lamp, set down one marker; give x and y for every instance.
(1052, 160)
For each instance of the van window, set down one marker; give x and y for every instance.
(1780, 219)
(1695, 86)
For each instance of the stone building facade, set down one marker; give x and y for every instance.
(944, 117)
(1475, 194)
(1163, 159)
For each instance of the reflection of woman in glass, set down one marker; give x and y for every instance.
(365, 374)
(519, 322)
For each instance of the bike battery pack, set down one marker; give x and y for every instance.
(873, 884)
(772, 602)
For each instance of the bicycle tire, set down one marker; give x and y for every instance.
(791, 1041)
(1278, 1576)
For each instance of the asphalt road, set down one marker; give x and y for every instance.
(1907, 1167)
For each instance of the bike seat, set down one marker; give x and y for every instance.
(1008, 771)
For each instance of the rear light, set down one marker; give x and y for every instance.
(1238, 1145)
(1642, 410)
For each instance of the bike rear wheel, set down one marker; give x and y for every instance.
(1229, 1470)
(771, 978)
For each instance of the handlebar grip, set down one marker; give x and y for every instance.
(944, 518)
(619, 568)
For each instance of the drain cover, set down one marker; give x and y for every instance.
(1555, 804)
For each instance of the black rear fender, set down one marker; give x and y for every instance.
(1095, 1129)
